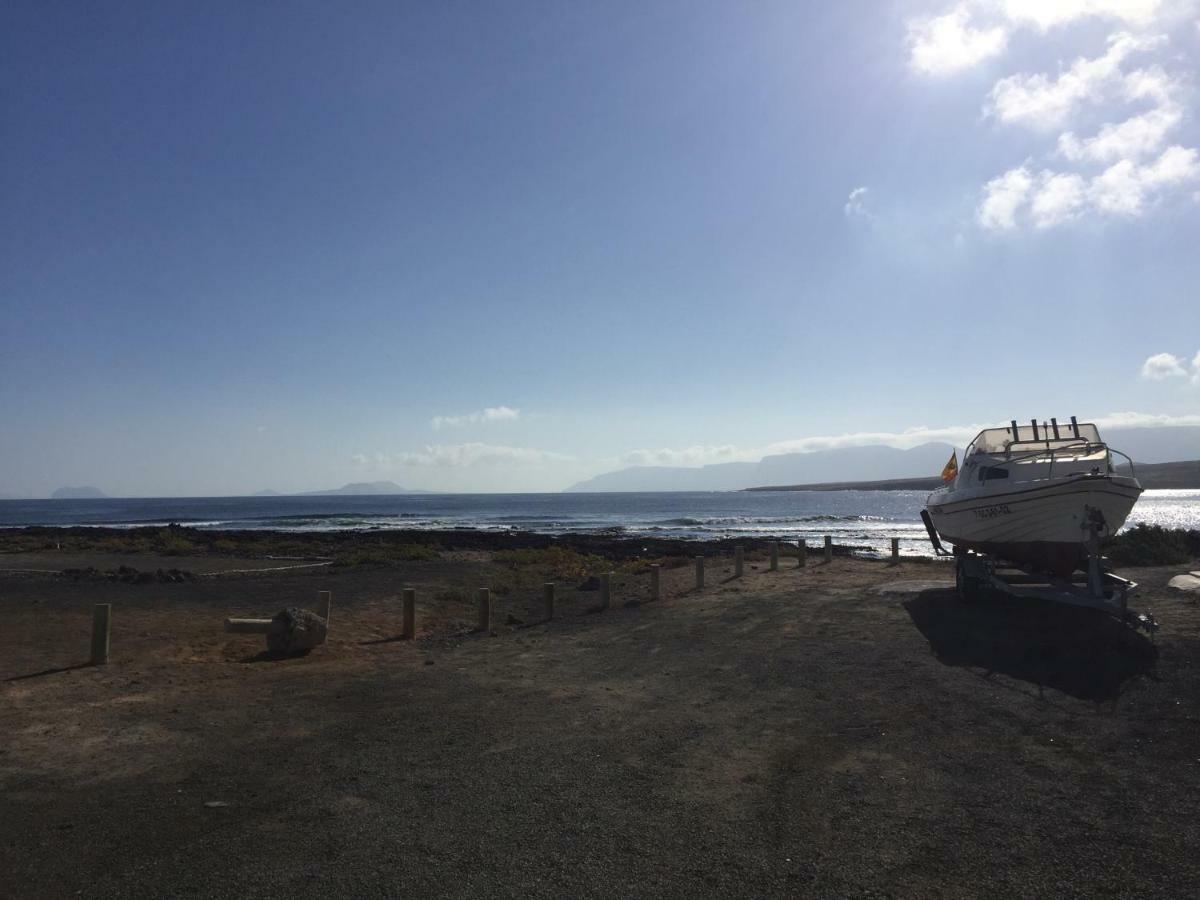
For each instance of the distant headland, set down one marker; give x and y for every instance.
(1152, 476)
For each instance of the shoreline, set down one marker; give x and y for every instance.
(391, 545)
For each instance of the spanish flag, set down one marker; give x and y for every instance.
(951, 471)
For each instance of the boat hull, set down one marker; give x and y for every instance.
(1045, 526)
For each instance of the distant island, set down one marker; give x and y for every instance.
(78, 493)
(1152, 476)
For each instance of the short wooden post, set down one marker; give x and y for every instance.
(101, 626)
(828, 549)
(606, 590)
(801, 554)
(699, 572)
(410, 614)
(324, 604)
(895, 550)
(738, 560)
(774, 556)
(485, 609)
(655, 581)
(548, 596)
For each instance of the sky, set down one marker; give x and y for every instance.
(508, 246)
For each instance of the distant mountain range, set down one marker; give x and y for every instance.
(858, 464)
(366, 488)
(850, 463)
(78, 493)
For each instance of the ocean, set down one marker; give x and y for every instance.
(868, 519)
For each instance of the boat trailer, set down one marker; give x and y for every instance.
(1097, 588)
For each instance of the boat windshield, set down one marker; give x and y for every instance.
(999, 441)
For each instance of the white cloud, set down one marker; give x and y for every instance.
(1058, 200)
(475, 454)
(1134, 138)
(910, 437)
(856, 205)
(1145, 420)
(1046, 14)
(1003, 196)
(1124, 187)
(1113, 129)
(1039, 102)
(490, 414)
(1139, 135)
(948, 43)
(1196, 358)
(1161, 366)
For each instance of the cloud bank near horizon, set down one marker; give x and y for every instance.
(483, 416)
(475, 454)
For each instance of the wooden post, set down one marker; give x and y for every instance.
(101, 626)
(738, 559)
(895, 550)
(324, 604)
(548, 595)
(606, 590)
(828, 549)
(699, 572)
(801, 554)
(409, 630)
(485, 609)
(655, 583)
(774, 556)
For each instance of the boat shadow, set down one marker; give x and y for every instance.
(1081, 652)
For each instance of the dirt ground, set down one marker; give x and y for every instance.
(849, 729)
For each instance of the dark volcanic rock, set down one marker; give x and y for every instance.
(295, 631)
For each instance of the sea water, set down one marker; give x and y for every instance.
(866, 519)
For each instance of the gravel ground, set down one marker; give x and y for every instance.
(841, 730)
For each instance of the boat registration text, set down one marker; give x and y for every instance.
(991, 512)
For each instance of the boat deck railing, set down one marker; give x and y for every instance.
(1074, 448)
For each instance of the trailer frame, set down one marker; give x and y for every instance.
(1096, 587)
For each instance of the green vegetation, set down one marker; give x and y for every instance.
(1153, 545)
(555, 563)
(385, 555)
(173, 542)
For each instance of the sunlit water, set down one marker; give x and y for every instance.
(868, 519)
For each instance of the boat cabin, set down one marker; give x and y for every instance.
(1035, 451)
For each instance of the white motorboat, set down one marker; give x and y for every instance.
(1038, 496)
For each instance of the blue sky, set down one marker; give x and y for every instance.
(290, 245)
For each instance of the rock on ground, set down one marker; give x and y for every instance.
(1189, 582)
(295, 630)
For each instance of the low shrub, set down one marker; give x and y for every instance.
(171, 542)
(1153, 545)
(559, 563)
(386, 555)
